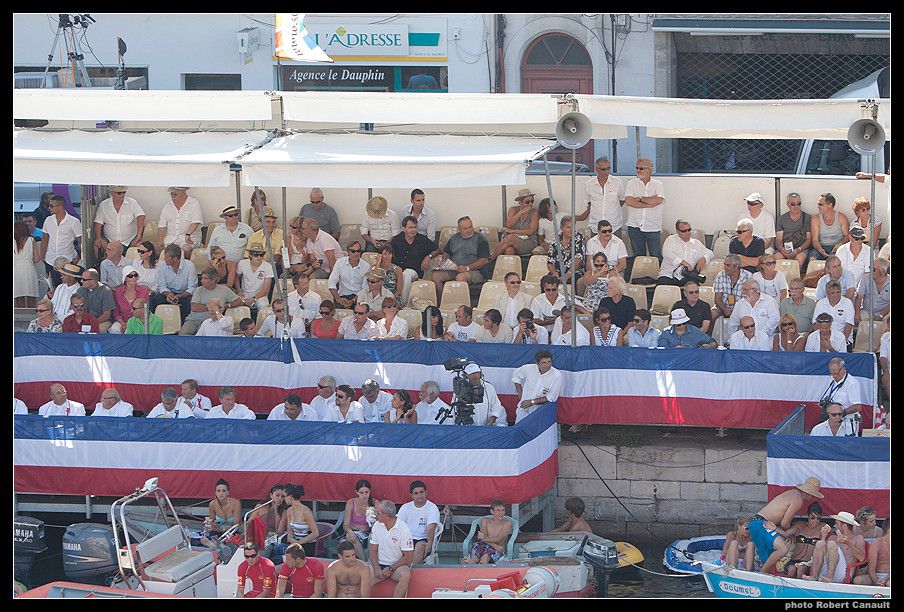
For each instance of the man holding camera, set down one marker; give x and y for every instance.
(489, 410)
(844, 391)
(683, 257)
(527, 332)
(536, 384)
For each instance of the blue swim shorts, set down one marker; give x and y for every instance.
(762, 538)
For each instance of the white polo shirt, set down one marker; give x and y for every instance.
(391, 543)
(275, 327)
(646, 219)
(839, 344)
(614, 251)
(373, 413)
(461, 333)
(119, 226)
(558, 337)
(855, 265)
(842, 313)
(418, 519)
(346, 278)
(355, 414)
(426, 413)
(534, 385)
(61, 237)
(253, 280)
(759, 342)
(319, 404)
(350, 332)
(542, 309)
(239, 411)
(119, 409)
(181, 411)
(772, 287)
(232, 242)
(177, 222)
(199, 404)
(605, 202)
(398, 327)
(305, 414)
(823, 429)
(68, 408)
(61, 295)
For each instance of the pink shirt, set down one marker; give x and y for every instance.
(123, 310)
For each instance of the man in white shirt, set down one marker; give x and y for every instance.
(232, 235)
(303, 303)
(347, 277)
(763, 222)
(513, 300)
(854, 255)
(544, 305)
(825, 339)
(180, 222)
(376, 403)
(527, 332)
(422, 517)
(680, 252)
(200, 405)
(276, 323)
(464, 328)
(19, 406)
(358, 326)
(60, 404)
(763, 308)
(322, 247)
(644, 197)
(832, 426)
(605, 241)
(426, 218)
(218, 324)
(326, 395)
(605, 197)
(119, 218)
(536, 384)
(489, 411)
(111, 405)
(228, 408)
(69, 274)
(749, 338)
(292, 409)
(845, 391)
(841, 309)
(564, 328)
(430, 404)
(170, 407)
(344, 401)
(391, 549)
(61, 232)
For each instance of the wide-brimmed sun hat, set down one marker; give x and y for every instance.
(811, 487)
(376, 207)
(845, 517)
(523, 193)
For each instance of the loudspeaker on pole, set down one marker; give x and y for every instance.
(574, 130)
(866, 136)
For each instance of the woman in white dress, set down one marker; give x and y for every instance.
(147, 265)
(25, 278)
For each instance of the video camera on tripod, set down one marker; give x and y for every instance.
(464, 394)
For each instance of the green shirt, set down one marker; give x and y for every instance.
(136, 325)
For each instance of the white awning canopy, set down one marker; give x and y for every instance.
(151, 106)
(390, 160)
(107, 158)
(685, 118)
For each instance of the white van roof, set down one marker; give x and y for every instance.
(867, 87)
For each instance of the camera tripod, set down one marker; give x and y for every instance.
(66, 30)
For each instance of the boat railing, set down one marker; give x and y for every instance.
(793, 424)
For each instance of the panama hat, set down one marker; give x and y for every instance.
(523, 193)
(376, 206)
(845, 517)
(172, 189)
(71, 269)
(811, 487)
(229, 210)
(268, 212)
(256, 247)
(376, 274)
(679, 316)
(118, 188)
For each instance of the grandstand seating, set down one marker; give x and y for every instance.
(413, 317)
(210, 227)
(708, 295)
(132, 254)
(816, 264)
(238, 313)
(504, 265)
(537, 268)
(711, 269)
(489, 293)
(645, 267)
(491, 233)
(663, 298)
(370, 258)
(425, 290)
(200, 259)
(720, 245)
(444, 234)
(150, 232)
(638, 293)
(532, 289)
(320, 286)
(861, 342)
(455, 294)
(171, 318)
(790, 267)
(349, 233)
(262, 314)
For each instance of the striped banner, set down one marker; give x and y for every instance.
(695, 387)
(854, 471)
(461, 465)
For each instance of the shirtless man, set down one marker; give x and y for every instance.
(770, 546)
(348, 576)
(492, 537)
(574, 507)
(845, 550)
(805, 535)
(878, 570)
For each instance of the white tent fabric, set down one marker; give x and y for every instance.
(104, 105)
(107, 158)
(390, 160)
(686, 118)
(432, 112)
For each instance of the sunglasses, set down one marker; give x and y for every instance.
(858, 237)
(251, 556)
(739, 232)
(638, 321)
(748, 326)
(787, 324)
(143, 251)
(604, 318)
(231, 215)
(325, 312)
(550, 289)
(132, 275)
(824, 322)
(354, 250)
(319, 386)
(602, 169)
(118, 192)
(599, 265)
(793, 203)
(360, 312)
(527, 200)
(684, 230)
(608, 231)
(279, 310)
(372, 280)
(641, 168)
(78, 306)
(514, 282)
(692, 292)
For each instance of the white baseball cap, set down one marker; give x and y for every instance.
(754, 197)
(471, 368)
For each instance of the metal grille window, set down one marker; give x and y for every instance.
(760, 76)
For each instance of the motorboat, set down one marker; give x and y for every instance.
(725, 581)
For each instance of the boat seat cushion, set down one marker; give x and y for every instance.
(178, 565)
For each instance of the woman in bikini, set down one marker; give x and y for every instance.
(804, 535)
(737, 545)
(355, 524)
(274, 516)
(492, 537)
(300, 521)
(866, 517)
(223, 513)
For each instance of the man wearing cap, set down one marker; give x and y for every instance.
(321, 247)
(374, 293)
(70, 274)
(111, 268)
(680, 254)
(347, 278)
(462, 258)
(411, 252)
(763, 222)
(749, 338)
(424, 215)
(207, 290)
(825, 339)
(520, 232)
(779, 512)
(792, 232)
(854, 254)
(762, 307)
(833, 425)
(99, 300)
(489, 411)
(254, 278)
(605, 197)
(376, 403)
(358, 326)
(536, 384)
(180, 222)
(682, 335)
(232, 235)
(831, 558)
(119, 218)
(61, 232)
(379, 225)
(321, 212)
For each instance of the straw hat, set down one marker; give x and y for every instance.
(268, 212)
(256, 247)
(376, 207)
(679, 316)
(229, 210)
(71, 269)
(118, 188)
(811, 487)
(172, 189)
(523, 193)
(376, 274)
(845, 517)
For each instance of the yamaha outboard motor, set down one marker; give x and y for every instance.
(28, 543)
(89, 553)
(603, 556)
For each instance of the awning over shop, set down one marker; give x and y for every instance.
(685, 118)
(151, 106)
(106, 158)
(390, 160)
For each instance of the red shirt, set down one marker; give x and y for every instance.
(301, 579)
(262, 576)
(70, 325)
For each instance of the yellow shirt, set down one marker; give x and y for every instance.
(276, 242)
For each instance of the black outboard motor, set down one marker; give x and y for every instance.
(28, 543)
(603, 556)
(89, 553)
